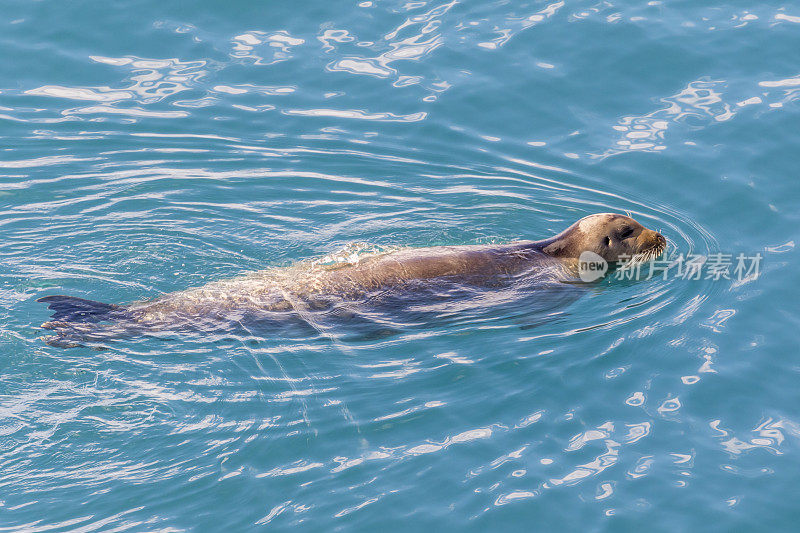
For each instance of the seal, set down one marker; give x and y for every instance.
(314, 286)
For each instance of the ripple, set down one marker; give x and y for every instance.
(357, 114)
(264, 138)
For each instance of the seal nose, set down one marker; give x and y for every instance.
(652, 239)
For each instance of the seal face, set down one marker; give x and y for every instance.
(307, 287)
(610, 235)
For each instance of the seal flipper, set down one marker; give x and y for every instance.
(72, 309)
(58, 341)
(76, 334)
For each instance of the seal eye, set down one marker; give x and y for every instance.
(607, 241)
(626, 232)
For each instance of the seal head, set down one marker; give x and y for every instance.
(610, 235)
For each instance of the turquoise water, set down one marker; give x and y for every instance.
(156, 146)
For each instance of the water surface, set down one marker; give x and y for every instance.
(156, 147)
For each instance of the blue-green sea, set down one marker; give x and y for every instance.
(149, 147)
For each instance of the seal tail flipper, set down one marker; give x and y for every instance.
(77, 334)
(72, 309)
